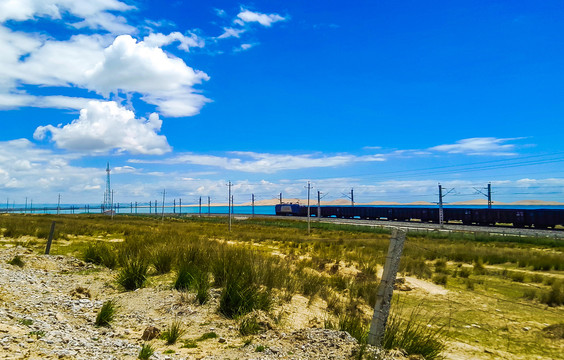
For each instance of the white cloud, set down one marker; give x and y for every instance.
(479, 146)
(186, 42)
(166, 82)
(103, 126)
(244, 47)
(247, 16)
(94, 12)
(30, 171)
(231, 32)
(263, 162)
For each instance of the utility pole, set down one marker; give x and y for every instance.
(308, 210)
(59, 204)
(150, 206)
(229, 206)
(253, 204)
(318, 204)
(200, 208)
(441, 211)
(488, 194)
(174, 206)
(180, 206)
(162, 211)
(280, 198)
(209, 207)
(112, 205)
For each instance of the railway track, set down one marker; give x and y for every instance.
(432, 227)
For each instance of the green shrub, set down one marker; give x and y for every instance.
(190, 344)
(479, 268)
(464, 272)
(440, 279)
(260, 348)
(202, 284)
(173, 332)
(240, 297)
(133, 274)
(554, 296)
(162, 259)
(415, 267)
(106, 314)
(101, 254)
(146, 352)
(251, 324)
(414, 334)
(185, 276)
(207, 336)
(17, 261)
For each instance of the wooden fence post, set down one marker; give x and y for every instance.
(386, 288)
(50, 240)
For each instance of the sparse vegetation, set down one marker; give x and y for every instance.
(414, 333)
(264, 262)
(173, 333)
(207, 336)
(146, 352)
(17, 261)
(133, 273)
(106, 314)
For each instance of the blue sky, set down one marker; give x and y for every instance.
(389, 98)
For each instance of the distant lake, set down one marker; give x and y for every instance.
(237, 209)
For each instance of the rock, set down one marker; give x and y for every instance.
(222, 340)
(150, 333)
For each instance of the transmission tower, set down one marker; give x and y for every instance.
(108, 193)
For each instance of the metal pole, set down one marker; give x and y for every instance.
(352, 197)
(59, 204)
(318, 204)
(253, 204)
(280, 198)
(308, 210)
(209, 203)
(180, 206)
(229, 205)
(50, 240)
(174, 206)
(441, 206)
(489, 195)
(200, 207)
(162, 211)
(150, 206)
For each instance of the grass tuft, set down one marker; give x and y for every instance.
(415, 335)
(106, 314)
(146, 352)
(133, 274)
(173, 332)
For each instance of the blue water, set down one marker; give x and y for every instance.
(204, 210)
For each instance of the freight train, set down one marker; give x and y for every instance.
(539, 218)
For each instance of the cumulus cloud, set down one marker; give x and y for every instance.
(104, 126)
(247, 16)
(166, 82)
(479, 146)
(96, 13)
(29, 170)
(264, 162)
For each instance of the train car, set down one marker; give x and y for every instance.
(538, 218)
(288, 209)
